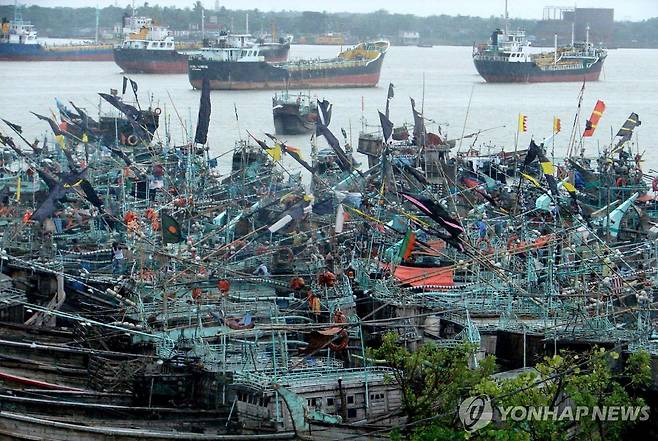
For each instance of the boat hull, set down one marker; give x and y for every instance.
(288, 121)
(150, 61)
(505, 72)
(37, 52)
(227, 75)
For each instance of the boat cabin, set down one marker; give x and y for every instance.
(163, 45)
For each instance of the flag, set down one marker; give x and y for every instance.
(85, 138)
(324, 113)
(203, 120)
(53, 125)
(557, 124)
(626, 131)
(533, 151)
(437, 213)
(387, 128)
(114, 92)
(420, 133)
(125, 85)
(275, 152)
(15, 127)
(128, 110)
(133, 85)
(407, 245)
(344, 162)
(534, 181)
(18, 188)
(61, 141)
(593, 121)
(170, 229)
(523, 123)
(340, 218)
(389, 97)
(296, 153)
(57, 192)
(235, 108)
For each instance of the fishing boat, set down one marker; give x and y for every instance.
(239, 68)
(19, 42)
(294, 114)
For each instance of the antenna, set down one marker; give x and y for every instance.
(98, 15)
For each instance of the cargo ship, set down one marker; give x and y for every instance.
(507, 59)
(246, 68)
(294, 114)
(153, 50)
(19, 42)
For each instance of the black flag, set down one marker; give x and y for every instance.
(420, 133)
(125, 85)
(533, 151)
(389, 97)
(324, 114)
(53, 125)
(626, 131)
(15, 127)
(203, 121)
(387, 128)
(133, 84)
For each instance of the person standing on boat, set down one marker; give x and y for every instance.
(117, 258)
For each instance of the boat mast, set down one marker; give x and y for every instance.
(246, 23)
(98, 12)
(555, 42)
(506, 19)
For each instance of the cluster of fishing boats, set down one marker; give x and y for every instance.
(151, 290)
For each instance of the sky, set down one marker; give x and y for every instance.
(624, 9)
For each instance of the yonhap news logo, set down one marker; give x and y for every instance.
(477, 412)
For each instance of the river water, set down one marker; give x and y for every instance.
(629, 84)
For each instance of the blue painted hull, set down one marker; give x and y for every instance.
(38, 52)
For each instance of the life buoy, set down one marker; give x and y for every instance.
(286, 255)
(654, 184)
(27, 216)
(132, 140)
(620, 182)
(129, 217)
(489, 248)
(297, 283)
(224, 286)
(327, 278)
(157, 111)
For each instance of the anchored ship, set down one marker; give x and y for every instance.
(507, 59)
(245, 68)
(18, 42)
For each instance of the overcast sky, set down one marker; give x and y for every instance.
(624, 9)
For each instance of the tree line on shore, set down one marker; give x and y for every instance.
(437, 29)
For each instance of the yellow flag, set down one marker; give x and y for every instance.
(557, 124)
(275, 152)
(531, 179)
(547, 168)
(18, 188)
(85, 139)
(523, 123)
(61, 141)
(568, 186)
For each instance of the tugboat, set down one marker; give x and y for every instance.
(240, 68)
(294, 115)
(18, 42)
(507, 59)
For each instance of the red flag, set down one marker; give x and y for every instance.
(593, 121)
